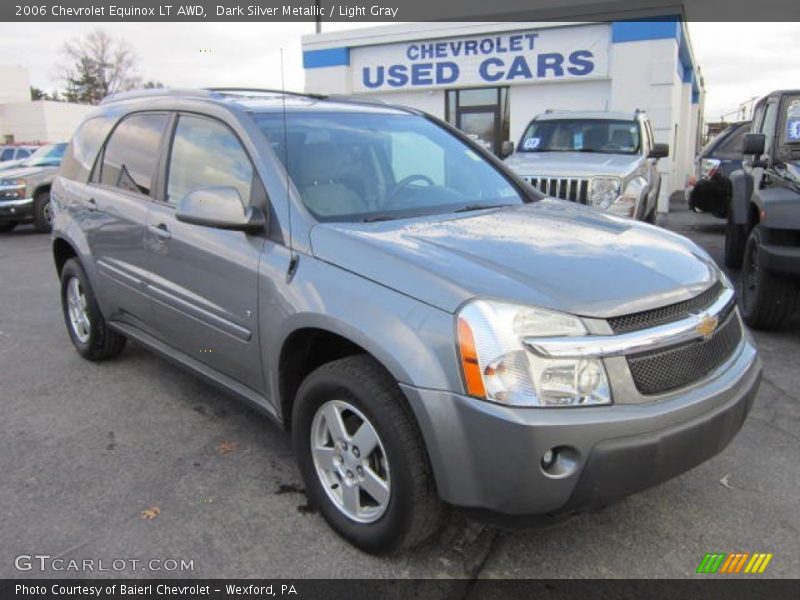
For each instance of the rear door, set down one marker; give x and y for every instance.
(204, 280)
(115, 214)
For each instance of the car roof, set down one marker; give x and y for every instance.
(263, 100)
(588, 114)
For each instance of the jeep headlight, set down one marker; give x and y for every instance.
(497, 366)
(604, 191)
(12, 188)
(625, 205)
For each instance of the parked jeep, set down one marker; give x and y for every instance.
(709, 189)
(25, 189)
(431, 329)
(601, 159)
(763, 231)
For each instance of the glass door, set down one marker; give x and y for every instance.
(481, 113)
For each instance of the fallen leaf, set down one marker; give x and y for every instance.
(724, 481)
(151, 513)
(226, 447)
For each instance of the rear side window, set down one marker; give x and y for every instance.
(23, 153)
(206, 153)
(7, 154)
(83, 148)
(131, 154)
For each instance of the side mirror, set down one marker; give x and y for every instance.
(754, 144)
(507, 149)
(659, 151)
(219, 207)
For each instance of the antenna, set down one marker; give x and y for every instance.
(293, 258)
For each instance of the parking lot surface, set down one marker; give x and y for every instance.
(86, 448)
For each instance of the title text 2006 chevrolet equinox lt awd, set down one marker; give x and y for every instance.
(429, 327)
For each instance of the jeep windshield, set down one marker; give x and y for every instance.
(47, 156)
(581, 135)
(378, 166)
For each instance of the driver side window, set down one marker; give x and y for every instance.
(206, 153)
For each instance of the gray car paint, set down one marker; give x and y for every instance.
(390, 288)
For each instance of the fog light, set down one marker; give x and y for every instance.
(548, 459)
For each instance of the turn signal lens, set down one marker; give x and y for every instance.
(469, 360)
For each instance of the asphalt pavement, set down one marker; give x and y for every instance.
(89, 451)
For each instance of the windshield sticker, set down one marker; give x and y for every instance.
(793, 122)
(577, 140)
(531, 143)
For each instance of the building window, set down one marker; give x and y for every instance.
(481, 113)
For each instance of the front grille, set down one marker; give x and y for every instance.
(574, 189)
(660, 371)
(665, 314)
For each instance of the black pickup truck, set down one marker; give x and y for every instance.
(763, 231)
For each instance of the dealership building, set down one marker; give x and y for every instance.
(491, 79)
(23, 121)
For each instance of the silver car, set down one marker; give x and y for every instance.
(602, 159)
(432, 330)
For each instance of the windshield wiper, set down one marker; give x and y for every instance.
(484, 206)
(376, 218)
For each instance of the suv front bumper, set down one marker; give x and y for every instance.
(16, 210)
(489, 456)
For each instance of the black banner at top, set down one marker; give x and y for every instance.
(394, 10)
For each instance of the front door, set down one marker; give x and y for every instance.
(481, 113)
(204, 280)
(482, 124)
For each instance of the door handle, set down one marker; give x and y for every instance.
(92, 204)
(160, 231)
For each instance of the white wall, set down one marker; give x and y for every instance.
(431, 101)
(16, 86)
(41, 121)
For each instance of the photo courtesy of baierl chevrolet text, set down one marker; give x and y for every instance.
(380, 299)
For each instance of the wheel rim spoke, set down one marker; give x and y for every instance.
(351, 498)
(365, 439)
(375, 486)
(333, 419)
(324, 456)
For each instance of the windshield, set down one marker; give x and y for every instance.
(581, 135)
(371, 166)
(46, 156)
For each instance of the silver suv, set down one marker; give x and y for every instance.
(601, 159)
(432, 330)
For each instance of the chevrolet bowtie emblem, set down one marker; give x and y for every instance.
(707, 326)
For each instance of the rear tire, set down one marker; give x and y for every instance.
(362, 392)
(6, 227)
(42, 212)
(768, 300)
(735, 240)
(87, 328)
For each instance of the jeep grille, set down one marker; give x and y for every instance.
(574, 189)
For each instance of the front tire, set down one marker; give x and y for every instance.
(735, 240)
(43, 212)
(362, 457)
(768, 300)
(87, 328)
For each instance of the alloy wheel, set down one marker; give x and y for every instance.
(350, 461)
(78, 310)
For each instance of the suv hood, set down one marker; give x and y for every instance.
(552, 253)
(572, 164)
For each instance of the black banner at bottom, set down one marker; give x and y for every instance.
(734, 588)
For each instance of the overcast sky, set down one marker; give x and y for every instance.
(738, 60)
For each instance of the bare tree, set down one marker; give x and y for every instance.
(98, 65)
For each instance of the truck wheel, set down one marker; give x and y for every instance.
(87, 328)
(735, 240)
(362, 457)
(8, 226)
(43, 212)
(768, 300)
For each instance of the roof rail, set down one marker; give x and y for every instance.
(246, 91)
(202, 93)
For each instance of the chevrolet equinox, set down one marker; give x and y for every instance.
(431, 329)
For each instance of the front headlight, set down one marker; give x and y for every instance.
(498, 367)
(604, 191)
(13, 183)
(625, 205)
(12, 189)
